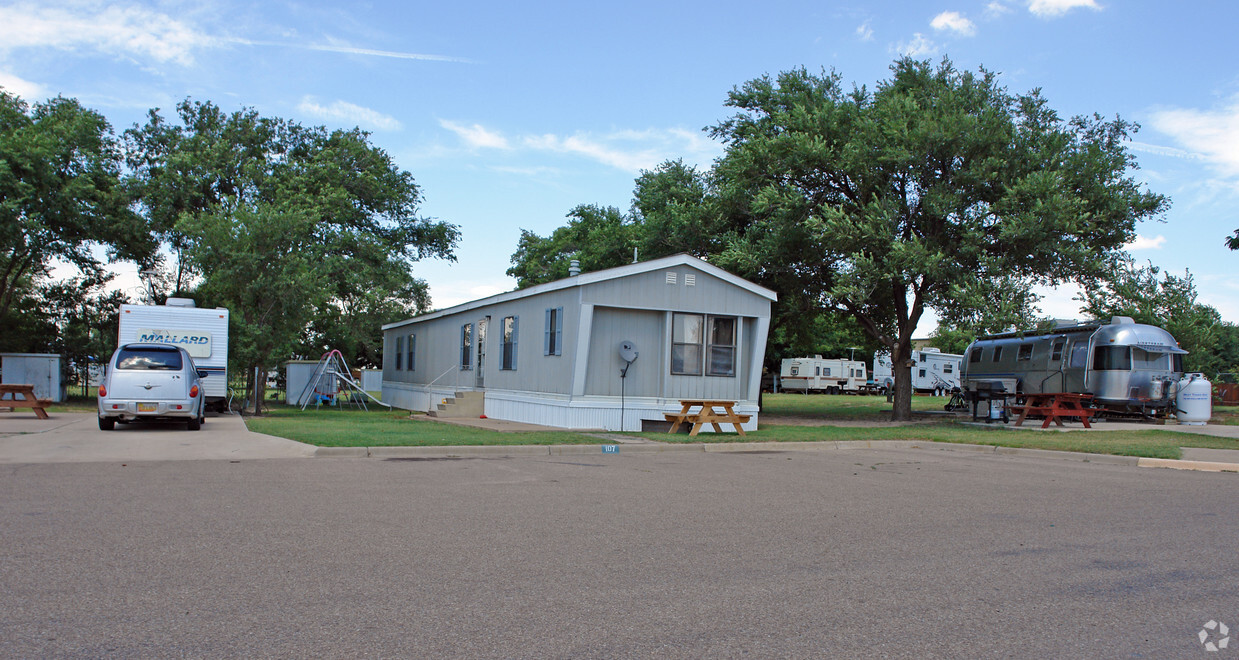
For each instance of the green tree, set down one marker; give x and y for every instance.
(937, 189)
(61, 195)
(598, 237)
(283, 224)
(1232, 242)
(1148, 295)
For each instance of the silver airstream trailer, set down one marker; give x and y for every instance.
(1126, 366)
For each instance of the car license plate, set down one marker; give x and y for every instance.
(146, 407)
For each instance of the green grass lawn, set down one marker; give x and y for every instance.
(382, 428)
(843, 406)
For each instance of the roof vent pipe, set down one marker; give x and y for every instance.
(574, 268)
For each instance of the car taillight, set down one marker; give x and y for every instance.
(103, 391)
(193, 392)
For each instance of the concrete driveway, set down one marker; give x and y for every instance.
(76, 438)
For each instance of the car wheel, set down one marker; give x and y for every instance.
(194, 424)
(106, 423)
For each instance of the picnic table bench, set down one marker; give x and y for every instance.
(27, 400)
(707, 414)
(1054, 407)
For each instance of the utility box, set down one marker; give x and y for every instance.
(371, 380)
(297, 377)
(39, 369)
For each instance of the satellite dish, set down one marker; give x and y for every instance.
(627, 351)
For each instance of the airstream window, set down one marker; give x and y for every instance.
(975, 355)
(1177, 360)
(1112, 358)
(1079, 355)
(997, 353)
(1056, 353)
(1142, 359)
(1025, 353)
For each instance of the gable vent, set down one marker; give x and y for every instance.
(690, 280)
(670, 278)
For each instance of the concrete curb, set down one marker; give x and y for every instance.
(1199, 466)
(504, 451)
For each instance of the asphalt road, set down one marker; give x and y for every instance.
(843, 553)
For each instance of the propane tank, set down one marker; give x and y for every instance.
(1194, 403)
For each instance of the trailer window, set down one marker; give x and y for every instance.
(1112, 358)
(922, 373)
(827, 371)
(1079, 355)
(1056, 353)
(997, 354)
(948, 368)
(795, 371)
(1177, 361)
(1025, 353)
(974, 355)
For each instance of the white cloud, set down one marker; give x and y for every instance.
(920, 46)
(953, 21)
(1053, 8)
(631, 150)
(476, 136)
(350, 50)
(30, 92)
(997, 8)
(131, 32)
(349, 113)
(1212, 134)
(864, 32)
(1146, 243)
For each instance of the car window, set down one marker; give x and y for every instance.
(149, 358)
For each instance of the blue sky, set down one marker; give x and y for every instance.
(509, 114)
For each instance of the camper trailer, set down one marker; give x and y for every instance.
(1126, 366)
(932, 371)
(818, 374)
(203, 333)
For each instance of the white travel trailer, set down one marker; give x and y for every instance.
(932, 371)
(818, 374)
(203, 333)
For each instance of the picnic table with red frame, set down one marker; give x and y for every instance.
(708, 414)
(1055, 406)
(27, 400)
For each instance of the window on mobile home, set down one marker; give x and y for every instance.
(399, 353)
(466, 346)
(554, 337)
(508, 358)
(722, 347)
(412, 350)
(1025, 353)
(690, 343)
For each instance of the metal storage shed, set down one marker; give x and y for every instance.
(40, 369)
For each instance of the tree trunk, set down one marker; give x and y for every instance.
(901, 368)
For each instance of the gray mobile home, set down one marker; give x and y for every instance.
(550, 354)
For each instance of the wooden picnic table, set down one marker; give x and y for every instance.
(1054, 407)
(707, 413)
(27, 400)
